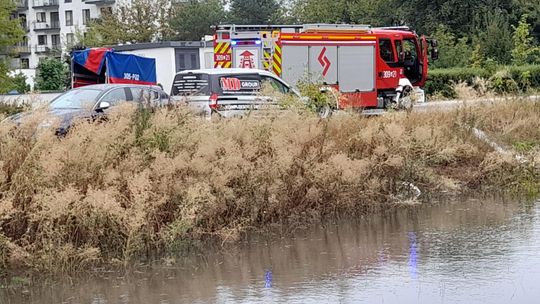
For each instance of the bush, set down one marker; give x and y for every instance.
(19, 83)
(51, 75)
(442, 81)
(511, 79)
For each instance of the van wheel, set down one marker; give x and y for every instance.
(325, 111)
(214, 116)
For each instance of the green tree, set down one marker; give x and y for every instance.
(477, 57)
(315, 11)
(495, 37)
(524, 51)
(461, 17)
(11, 32)
(133, 21)
(454, 52)
(193, 20)
(6, 83)
(51, 75)
(532, 10)
(255, 11)
(376, 13)
(19, 83)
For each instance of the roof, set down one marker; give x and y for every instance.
(227, 71)
(163, 44)
(107, 86)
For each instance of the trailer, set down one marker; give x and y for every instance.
(104, 65)
(372, 68)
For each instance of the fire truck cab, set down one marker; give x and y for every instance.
(372, 68)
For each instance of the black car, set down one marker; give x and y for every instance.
(93, 101)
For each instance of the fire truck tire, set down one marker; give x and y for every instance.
(325, 111)
(406, 99)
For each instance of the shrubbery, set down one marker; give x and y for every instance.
(513, 79)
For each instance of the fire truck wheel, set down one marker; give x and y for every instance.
(325, 111)
(406, 100)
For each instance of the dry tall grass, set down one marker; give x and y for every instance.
(143, 184)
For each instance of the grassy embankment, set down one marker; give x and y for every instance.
(144, 185)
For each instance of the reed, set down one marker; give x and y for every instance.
(144, 184)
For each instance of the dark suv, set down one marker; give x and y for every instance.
(91, 102)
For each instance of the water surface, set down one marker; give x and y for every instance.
(471, 251)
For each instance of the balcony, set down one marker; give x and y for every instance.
(18, 65)
(100, 2)
(49, 49)
(22, 5)
(21, 49)
(47, 26)
(16, 50)
(45, 4)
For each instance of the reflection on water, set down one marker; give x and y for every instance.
(477, 251)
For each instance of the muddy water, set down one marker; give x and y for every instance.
(473, 251)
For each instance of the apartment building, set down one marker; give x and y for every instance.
(51, 26)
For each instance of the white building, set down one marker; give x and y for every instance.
(51, 26)
(173, 57)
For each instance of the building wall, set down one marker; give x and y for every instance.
(165, 64)
(207, 57)
(30, 76)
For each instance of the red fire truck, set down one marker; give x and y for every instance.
(372, 68)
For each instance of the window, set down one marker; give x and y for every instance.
(116, 96)
(25, 63)
(67, 1)
(409, 46)
(55, 40)
(70, 39)
(399, 49)
(190, 84)
(69, 18)
(276, 84)
(106, 10)
(41, 17)
(386, 50)
(76, 99)
(138, 94)
(42, 40)
(86, 16)
(193, 58)
(146, 96)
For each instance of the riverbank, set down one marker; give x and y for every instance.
(142, 185)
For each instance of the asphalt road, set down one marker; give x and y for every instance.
(455, 103)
